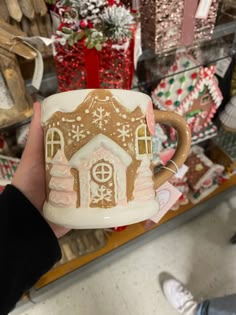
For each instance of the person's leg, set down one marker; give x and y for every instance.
(183, 301)
(225, 305)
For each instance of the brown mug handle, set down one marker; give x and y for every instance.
(184, 142)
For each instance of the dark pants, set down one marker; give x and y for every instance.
(219, 306)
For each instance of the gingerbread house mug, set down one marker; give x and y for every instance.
(98, 152)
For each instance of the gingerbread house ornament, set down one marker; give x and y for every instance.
(98, 156)
(191, 91)
(203, 175)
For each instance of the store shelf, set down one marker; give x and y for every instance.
(152, 68)
(118, 239)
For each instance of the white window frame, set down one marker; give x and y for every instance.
(148, 140)
(102, 172)
(53, 142)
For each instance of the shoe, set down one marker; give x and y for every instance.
(179, 297)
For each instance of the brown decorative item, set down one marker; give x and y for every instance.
(15, 103)
(167, 25)
(203, 174)
(98, 149)
(29, 16)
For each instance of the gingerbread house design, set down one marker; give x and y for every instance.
(191, 91)
(203, 174)
(99, 155)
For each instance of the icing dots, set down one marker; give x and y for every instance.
(176, 103)
(167, 94)
(194, 75)
(169, 102)
(163, 85)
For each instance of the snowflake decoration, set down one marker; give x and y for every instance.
(124, 132)
(77, 133)
(102, 194)
(100, 117)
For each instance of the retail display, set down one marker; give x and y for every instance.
(203, 175)
(223, 150)
(111, 178)
(94, 41)
(182, 185)
(79, 243)
(8, 166)
(168, 24)
(228, 11)
(191, 91)
(101, 151)
(228, 115)
(233, 82)
(29, 16)
(15, 101)
(157, 143)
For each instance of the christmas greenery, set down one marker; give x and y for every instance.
(95, 21)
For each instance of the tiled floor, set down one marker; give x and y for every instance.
(126, 281)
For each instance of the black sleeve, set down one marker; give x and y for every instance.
(28, 248)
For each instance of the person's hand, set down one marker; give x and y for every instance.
(30, 174)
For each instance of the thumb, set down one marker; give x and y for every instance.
(34, 143)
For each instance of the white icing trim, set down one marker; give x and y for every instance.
(94, 144)
(68, 101)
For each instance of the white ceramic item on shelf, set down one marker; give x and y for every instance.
(228, 115)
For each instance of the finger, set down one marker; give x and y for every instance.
(35, 139)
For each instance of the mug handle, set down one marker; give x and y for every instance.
(184, 142)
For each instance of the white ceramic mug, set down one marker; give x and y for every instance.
(98, 152)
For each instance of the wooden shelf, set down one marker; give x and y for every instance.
(117, 239)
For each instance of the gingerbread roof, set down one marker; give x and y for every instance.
(186, 82)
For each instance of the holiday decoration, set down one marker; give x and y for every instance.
(77, 243)
(94, 42)
(182, 185)
(224, 150)
(8, 167)
(89, 163)
(203, 175)
(98, 153)
(228, 115)
(191, 91)
(157, 143)
(22, 135)
(169, 24)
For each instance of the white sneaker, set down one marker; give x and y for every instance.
(179, 297)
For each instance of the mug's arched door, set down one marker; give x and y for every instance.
(102, 187)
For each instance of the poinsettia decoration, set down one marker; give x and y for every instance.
(95, 21)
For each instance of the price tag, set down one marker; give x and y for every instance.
(222, 66)
(182, 171)
(203, 9)
(166, 195)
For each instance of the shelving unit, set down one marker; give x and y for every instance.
(117, 239)
(151, 69)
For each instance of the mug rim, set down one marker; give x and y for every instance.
(68, 101)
